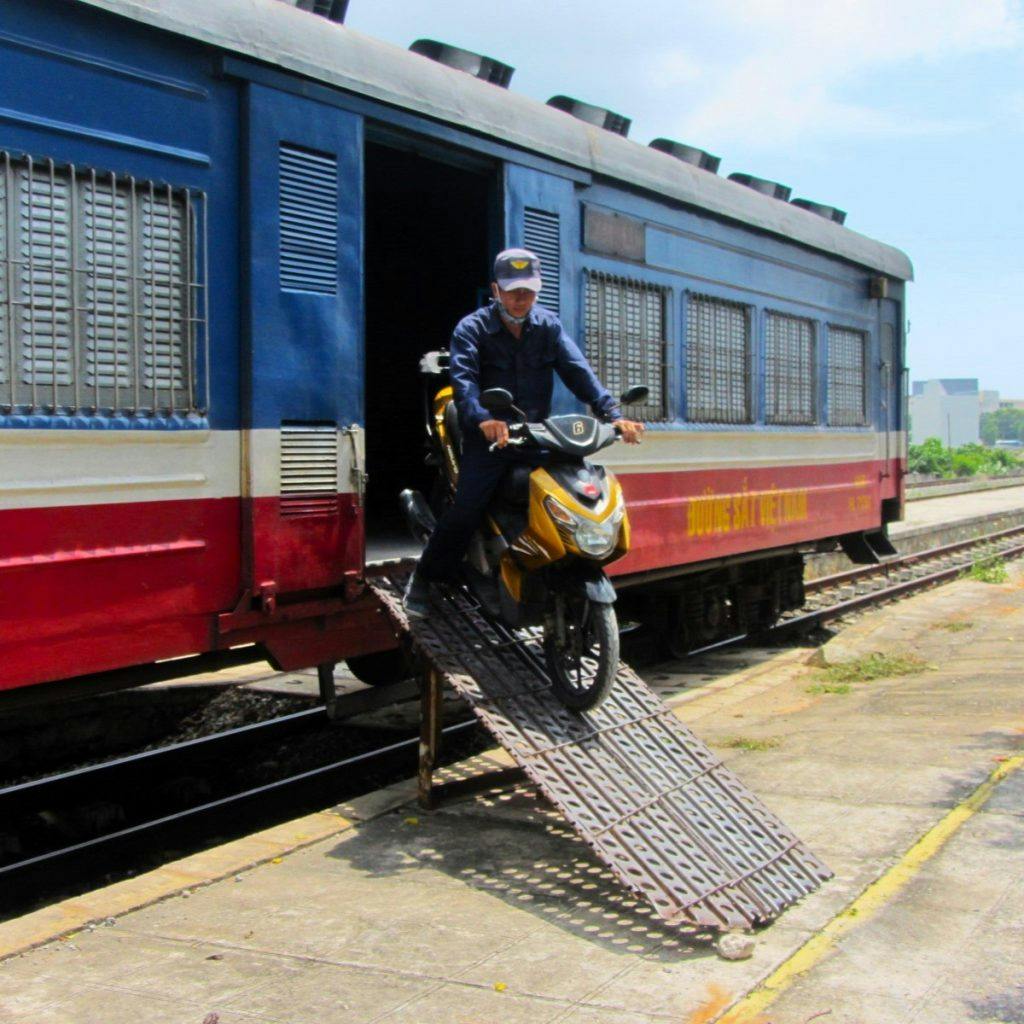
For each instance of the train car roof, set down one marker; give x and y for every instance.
(280, 34)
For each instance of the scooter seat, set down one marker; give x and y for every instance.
(452, 426)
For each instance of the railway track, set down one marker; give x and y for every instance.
(129, 808)
(829, 599)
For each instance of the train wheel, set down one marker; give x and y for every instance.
(676, 635)
(383, 667)
(714, 614)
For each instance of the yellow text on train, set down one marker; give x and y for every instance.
(712, 513)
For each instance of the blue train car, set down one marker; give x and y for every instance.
(228, 232)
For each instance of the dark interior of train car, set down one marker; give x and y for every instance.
(428, 227)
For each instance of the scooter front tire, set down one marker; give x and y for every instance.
(603, 631)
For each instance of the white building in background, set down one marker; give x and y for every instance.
(989, 401)
(949, 409)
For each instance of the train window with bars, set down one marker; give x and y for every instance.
(847, 377)
(102, 302)
(790, 369)
(541, 237)
(625, 339)
(718, 357)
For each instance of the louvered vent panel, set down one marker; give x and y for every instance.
(44, 292)
(164, 292)
(309, 470)
(102, 290)
(107, 318)
(540, 236)
(309, 221)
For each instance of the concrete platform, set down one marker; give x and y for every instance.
(491, 910)
(958, 507)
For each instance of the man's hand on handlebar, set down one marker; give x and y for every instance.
(496, 432)
(629, 430)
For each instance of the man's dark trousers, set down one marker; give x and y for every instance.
(480, 475)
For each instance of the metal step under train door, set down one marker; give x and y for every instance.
(673, 823)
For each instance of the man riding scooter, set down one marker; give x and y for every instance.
(514, 344)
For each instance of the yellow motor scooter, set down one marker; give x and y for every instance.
(538, 558)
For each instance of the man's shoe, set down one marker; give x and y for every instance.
(416, 600)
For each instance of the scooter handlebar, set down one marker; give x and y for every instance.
(510, 441)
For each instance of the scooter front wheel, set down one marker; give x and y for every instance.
(584, 659)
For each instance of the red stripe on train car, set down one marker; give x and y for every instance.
(678, 518)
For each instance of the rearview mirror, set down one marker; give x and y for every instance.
(496, 400)
(634, 395)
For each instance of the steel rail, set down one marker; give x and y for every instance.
(161, 761)
(884, 568)
(320, 774)
(834, 611)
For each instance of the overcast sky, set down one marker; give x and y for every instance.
(909, 114)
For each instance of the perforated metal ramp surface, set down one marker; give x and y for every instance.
(668, 818)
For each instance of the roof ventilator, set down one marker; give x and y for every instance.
(762, 185)
(688, 154)
(598, 116)
(486, 68)
(333, 10)
(828, 212)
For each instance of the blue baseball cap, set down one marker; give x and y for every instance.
(517, 268)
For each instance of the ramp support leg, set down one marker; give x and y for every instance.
(328, 692)
(430, 737)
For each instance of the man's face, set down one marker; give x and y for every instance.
(518, 301)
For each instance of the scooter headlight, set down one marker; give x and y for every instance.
(598, 539)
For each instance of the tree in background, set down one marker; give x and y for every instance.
(1002, 425)
(933, 458)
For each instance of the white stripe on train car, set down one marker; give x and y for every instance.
(673, 451)
(48, 468)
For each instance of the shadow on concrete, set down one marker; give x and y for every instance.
(513, 846)
(1005, 1007)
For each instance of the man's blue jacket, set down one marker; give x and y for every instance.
(484, 354)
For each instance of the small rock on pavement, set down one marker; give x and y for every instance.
(735, 946)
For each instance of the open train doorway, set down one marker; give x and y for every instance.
(429, 234)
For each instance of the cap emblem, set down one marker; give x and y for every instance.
(520, 264)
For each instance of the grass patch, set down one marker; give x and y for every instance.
(750, 743)
(819, 688)
(954, 626)
(989, 570)
(871, 666)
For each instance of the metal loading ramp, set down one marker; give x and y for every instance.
(672, 823)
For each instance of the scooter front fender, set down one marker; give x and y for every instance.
(595, 584)
(600, 590)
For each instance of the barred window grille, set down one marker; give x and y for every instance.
(790, 370)
(541, 237)
(625, 339)
(718, 351)
(102, 294)
(847, 377)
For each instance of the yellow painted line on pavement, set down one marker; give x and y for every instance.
(873, 899)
